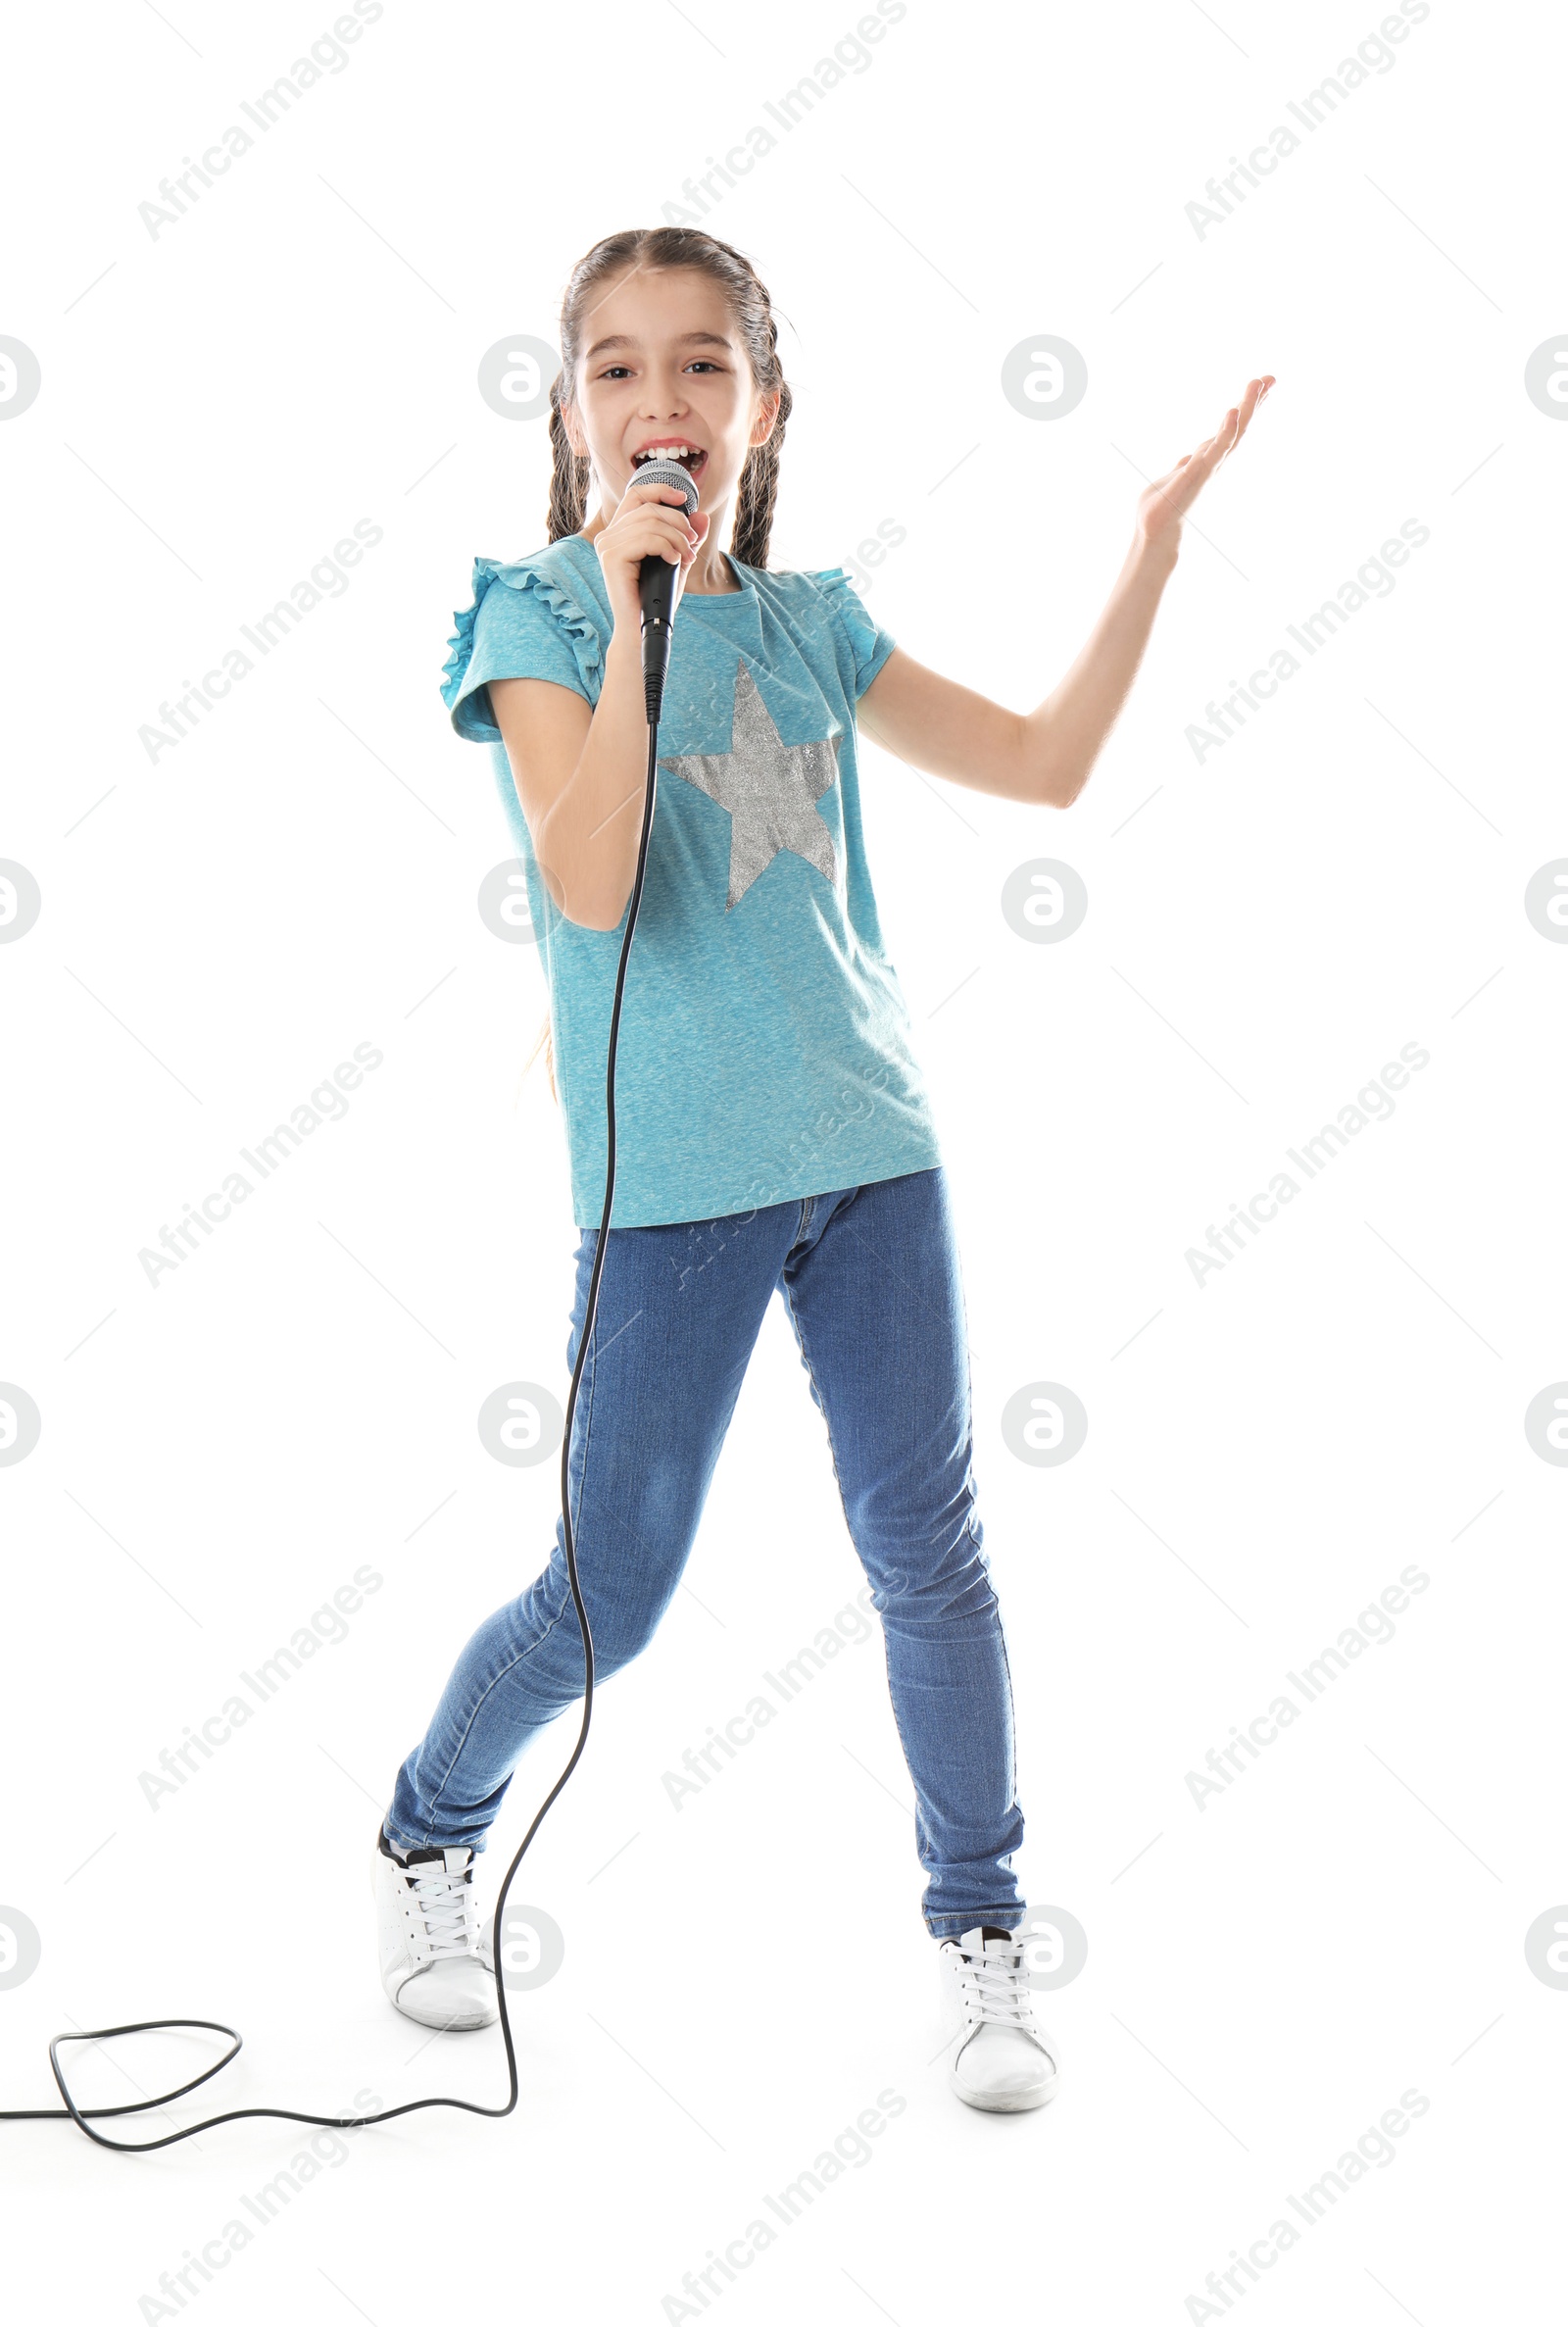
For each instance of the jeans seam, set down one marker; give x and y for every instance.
(887, 1646)
(811, 1375)
(592, 1377)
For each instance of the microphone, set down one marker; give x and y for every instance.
(656, 587)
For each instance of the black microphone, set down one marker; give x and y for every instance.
(656, 587)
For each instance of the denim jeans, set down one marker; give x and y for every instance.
(870, 1276)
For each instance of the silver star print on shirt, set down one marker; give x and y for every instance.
(769, 787)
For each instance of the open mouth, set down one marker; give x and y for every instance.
(691, 456)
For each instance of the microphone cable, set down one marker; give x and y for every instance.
(656, 663)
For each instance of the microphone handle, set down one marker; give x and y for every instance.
(656, 588)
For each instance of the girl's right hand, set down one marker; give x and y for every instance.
(650, 523)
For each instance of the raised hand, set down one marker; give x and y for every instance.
(1162, 505)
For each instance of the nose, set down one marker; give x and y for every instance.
(663, 397)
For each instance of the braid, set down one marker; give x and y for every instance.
(568, 481)
(658, 248)
(758, 486)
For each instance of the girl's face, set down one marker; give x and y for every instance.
(662, 364)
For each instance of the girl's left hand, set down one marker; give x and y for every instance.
(1163, 504)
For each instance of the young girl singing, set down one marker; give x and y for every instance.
(773, 1127)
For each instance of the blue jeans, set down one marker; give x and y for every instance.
(870, 1280)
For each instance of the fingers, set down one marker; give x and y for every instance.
(670, 510)
(1233, 427)
(664, 507)
(1191, 472)
(649, 528)
(1180, 487)
(1202, 462)
(670, 493)
(1252, 397)
(1228, 435)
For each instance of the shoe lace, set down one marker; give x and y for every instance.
(996, 1987)
(446, 1902)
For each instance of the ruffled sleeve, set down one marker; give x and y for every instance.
(869, 646)
(525, 623)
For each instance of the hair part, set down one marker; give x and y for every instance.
(664, 247)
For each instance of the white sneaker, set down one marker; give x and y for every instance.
(1000, 2058)
(434, 1966)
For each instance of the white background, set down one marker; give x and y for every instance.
(1266, 1975)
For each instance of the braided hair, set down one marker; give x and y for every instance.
(667, 247)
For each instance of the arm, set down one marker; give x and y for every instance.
(582, 772)
(1045, 755)
(579, 774)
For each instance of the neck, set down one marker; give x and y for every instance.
(713, 582)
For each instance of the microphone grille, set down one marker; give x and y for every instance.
(668, 472)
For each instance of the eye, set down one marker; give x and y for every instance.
(610, 371)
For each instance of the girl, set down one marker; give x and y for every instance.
(774, 1131)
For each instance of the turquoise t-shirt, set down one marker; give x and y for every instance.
(764, 1050)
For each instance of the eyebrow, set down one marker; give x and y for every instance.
(686, 339)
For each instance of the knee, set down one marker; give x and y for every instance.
(622, 1621)
(941, 1580)
(619, 1634)
(630, 1552)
